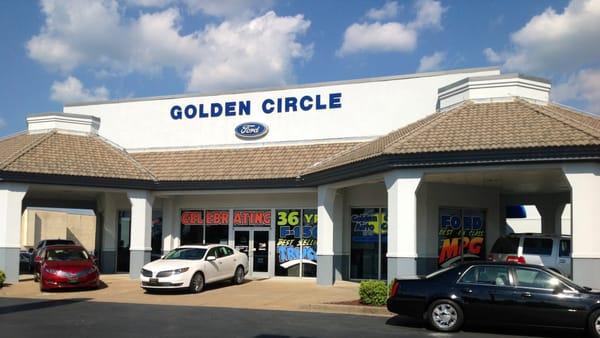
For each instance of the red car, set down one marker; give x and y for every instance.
(66, 266)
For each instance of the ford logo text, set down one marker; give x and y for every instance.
(251, 130)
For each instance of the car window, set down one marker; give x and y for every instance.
(224, 251)
(533, 278)
(506, 245)
(186, 253)
(228, 250)
(487, 274)
(565, 248)
(213, 252)
(537, 246)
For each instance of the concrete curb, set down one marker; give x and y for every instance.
(349, 309)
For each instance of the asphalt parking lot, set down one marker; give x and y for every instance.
(79, 317)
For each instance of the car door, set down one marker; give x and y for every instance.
(540, 302)
(487, 293)
(212, 269)
(564, 256)
(229, 261)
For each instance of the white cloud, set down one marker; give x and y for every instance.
(492, 56)
(375, 37)
(583, 86)
(387, 11)
(96, 35)
(561, 42)
(2, 123)
(392, 36)
(71, 90)
(431, 62)
(150, 3)
(233, 9)
(251, 54)
(429, 14)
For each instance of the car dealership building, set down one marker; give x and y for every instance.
(364, 179)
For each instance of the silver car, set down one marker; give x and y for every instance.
(551, 251)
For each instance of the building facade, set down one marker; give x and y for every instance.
(367, 179)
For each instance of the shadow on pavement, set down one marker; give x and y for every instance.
(512, 330)
(39, 305)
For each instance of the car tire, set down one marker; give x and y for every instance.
(594, 324)
(238, 276)
(197, 283)
(445, 315)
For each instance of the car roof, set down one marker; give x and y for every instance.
(64, 246)
(530, 234)
(483, 262)
(202, 246)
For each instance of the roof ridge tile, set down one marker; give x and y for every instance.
(11, 159)
(126, 156)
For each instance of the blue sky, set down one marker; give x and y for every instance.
(59, 51)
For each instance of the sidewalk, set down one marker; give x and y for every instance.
(268, 294)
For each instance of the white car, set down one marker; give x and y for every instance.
(193, 266)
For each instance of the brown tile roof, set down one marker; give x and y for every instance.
(57, 153)
(515, 124)
(272, 162)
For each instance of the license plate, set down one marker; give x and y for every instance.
(154, 281)
(73, 281)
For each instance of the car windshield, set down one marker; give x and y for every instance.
(439, 272)
(186, 253)
(567, 281)
(66, 255)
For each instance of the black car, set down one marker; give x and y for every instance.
(497, 293)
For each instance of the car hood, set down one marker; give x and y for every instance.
(69, 266)
(169, 264)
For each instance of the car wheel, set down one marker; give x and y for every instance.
(238, 276)
(594, 325)
(197, 283)
(445, 315)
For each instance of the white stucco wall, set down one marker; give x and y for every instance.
(368, 108)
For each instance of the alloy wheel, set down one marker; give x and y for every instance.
(445, 316)
(597, 325)
(239, 275)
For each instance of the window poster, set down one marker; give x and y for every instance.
(461, 235)
(296, 242)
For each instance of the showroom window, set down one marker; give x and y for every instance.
(204, 226)
(296, 242)
(368, 246)
(461, 235)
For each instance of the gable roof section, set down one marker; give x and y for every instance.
(55, 153)
(516, 124)
(253, 163)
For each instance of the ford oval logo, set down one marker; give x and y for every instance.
(251, 130)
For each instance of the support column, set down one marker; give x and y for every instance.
(141, 231)
(325, 235)
(584, 179)
(11, 206)
(551, 212)
(108, 254)
(402, 255)
(167, 225)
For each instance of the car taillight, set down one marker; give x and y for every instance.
(515, 259)
(395, 287)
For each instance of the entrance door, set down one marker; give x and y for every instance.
(255, 244)
(123, 241)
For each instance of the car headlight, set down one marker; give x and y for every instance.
(51, 271)
(178, 271)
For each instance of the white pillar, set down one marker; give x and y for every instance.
(551, 214)
(584, 179)
(167, 225)
(108, 253)
(325, 235)
(11, 206)
(141, 230)
(402, 186)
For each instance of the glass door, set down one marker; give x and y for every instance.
(255, 244)
(123, 241)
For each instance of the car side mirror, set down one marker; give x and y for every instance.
(210, 258)
(558, 289)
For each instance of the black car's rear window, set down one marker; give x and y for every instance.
(59, 242)
(506, 245)
(537, 246)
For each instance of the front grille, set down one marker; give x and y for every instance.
(146, 273)
(164, 273)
